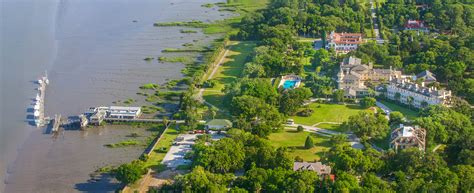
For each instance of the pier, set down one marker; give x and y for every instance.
(39, 117)
(56, 123)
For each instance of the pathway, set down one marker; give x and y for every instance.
(373, 9)
(353, 139)
(214, 70)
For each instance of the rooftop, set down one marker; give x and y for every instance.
(317, 167)
(220, 122)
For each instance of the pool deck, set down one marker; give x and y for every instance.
(290, 78)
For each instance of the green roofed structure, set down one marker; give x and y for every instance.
(218, 124)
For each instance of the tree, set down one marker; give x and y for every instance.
(367, 124)
(222, 156)
(465, 174)
(308, 144)
(396, 118)
(130, 172)
(292, 99)
(256, 116)
(338, 96)
(253, 70)
(367, 102)
(346, 183)
(199, 180)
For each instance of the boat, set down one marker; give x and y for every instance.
(45, 78)
(37, 97)
(36, 113)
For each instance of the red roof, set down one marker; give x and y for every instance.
(346, 38)
(415, 24)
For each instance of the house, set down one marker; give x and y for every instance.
(416, 25)
(343, 42)
(407, 137)
(427, 76)
(415, 94)
(218, 124)
(353, 75)
(317, 167)
(117, 112)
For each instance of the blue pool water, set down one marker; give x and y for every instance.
(289, 84)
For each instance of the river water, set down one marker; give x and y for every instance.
(93, 51)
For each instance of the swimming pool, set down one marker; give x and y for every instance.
(289, 84)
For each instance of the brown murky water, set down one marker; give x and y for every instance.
(93, 51)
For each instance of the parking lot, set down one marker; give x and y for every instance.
(175, 155)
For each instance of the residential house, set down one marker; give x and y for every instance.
(408, 137)
(416, 25)
(318, 167)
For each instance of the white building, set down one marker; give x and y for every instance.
(407, 137)
(416, 95)
(124, 112)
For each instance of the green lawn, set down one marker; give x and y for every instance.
(328, 113)
(409, 114)
(334, 127)
(294, 141)
(166, 141)
(229, 71)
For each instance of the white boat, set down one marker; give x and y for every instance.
(37, 97)
(36, 107)
(36, 113)
(45, 78)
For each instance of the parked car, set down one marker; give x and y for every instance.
(199, 131)
(290, 122)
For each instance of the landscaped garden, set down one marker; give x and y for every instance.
(328, 113)
(295, 142)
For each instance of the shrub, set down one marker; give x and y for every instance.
(298, 159)
(300, 128)
(130, 173)
(209, 83)
(308, 144)
(305, 112)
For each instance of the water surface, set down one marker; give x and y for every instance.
(93, 51)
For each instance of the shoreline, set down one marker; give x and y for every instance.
(57, 73)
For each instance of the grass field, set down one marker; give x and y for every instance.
(165, 142)
(228, 72)
(328, 113)
(409, 114)
(333, 127)
(294, 141)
